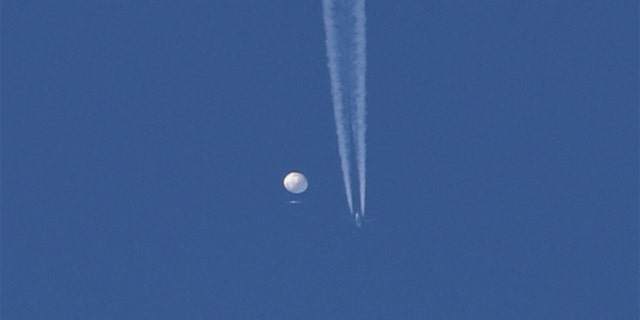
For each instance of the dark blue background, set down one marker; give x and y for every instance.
(144, 143)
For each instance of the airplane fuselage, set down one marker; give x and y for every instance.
(357, 218)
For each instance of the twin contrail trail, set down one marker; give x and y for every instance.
(344, 23)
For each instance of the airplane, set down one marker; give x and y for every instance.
(357, 218)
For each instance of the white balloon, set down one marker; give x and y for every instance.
(295, 182)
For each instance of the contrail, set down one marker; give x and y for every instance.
(336, 92)
(344, 22)
(360, 97)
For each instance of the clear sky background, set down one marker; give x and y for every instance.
(144, 144)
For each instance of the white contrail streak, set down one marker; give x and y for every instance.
(360, 98)
(338, 106)
(344, 22)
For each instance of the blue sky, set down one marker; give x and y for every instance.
(144, 143)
